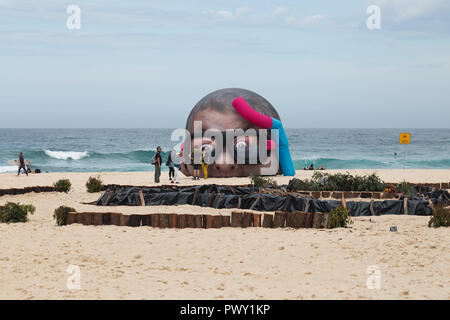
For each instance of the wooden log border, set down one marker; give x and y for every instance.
(294, 220)
(36, 189)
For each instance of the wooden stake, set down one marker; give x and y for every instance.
(181, 221)
(372, 211)
(337, 195)
(257, 220)
(309, 220)
(135, 220)
(226, 221)
(211, 198)
(325, 220)
(405, 205)
(124, 220)
(300, 219)
(194, 201)
(109, 197)
(279, 219)
(96, 219)
(141, 196)
(317, 220)
(106, 219)
(315, 194)
(267, 220)
(82, 218)
(286, 206)
(115, 219)
(307, 205)
(247, 220)
(207, 221)
(164, 220)
(71, 218)
(173, 220)
(290, 219)
(255, 202)
(146, 220)
(343, 203)
(216, 221)
(198, 221)
(236, 219)
(190, 221)
(155, 220)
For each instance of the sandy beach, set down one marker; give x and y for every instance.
(228, 263)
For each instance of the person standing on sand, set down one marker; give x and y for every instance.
(22, 164)
(196, 155)
(157, 162)
(176, 158)
(205, 160)
(170, 164)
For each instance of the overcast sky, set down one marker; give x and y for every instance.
(143, 64)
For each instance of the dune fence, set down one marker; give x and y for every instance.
(36, 189)
(237, 219)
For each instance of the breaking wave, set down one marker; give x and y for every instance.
(66, 155)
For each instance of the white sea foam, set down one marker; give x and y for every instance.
(65, 155)
(4, 169)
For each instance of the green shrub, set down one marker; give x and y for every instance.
(440, 217)
(405, 188)
(321, 181)
(61, 214)
(259, 182)
(64, 184)
(339, 218)
(16, 212)
(94, 184)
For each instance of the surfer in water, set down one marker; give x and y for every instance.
(22, 164)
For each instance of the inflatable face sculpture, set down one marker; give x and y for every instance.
(248, 149)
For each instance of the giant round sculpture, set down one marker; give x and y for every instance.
(216, 112)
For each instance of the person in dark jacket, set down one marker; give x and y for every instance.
(158, 164)
(22, 165)
(170, 164)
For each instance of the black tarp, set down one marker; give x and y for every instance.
(228, 197)
(419, 207)
(388, 207)
(358, 209)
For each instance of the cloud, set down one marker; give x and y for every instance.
(305, 22)
(227, 14)
(242, 10)
(289, 17)
(224, 14)
(410, 9)
(280, 11)
(420, 17)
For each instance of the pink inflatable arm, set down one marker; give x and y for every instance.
(248, 113)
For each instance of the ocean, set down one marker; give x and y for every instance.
(100, 150)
